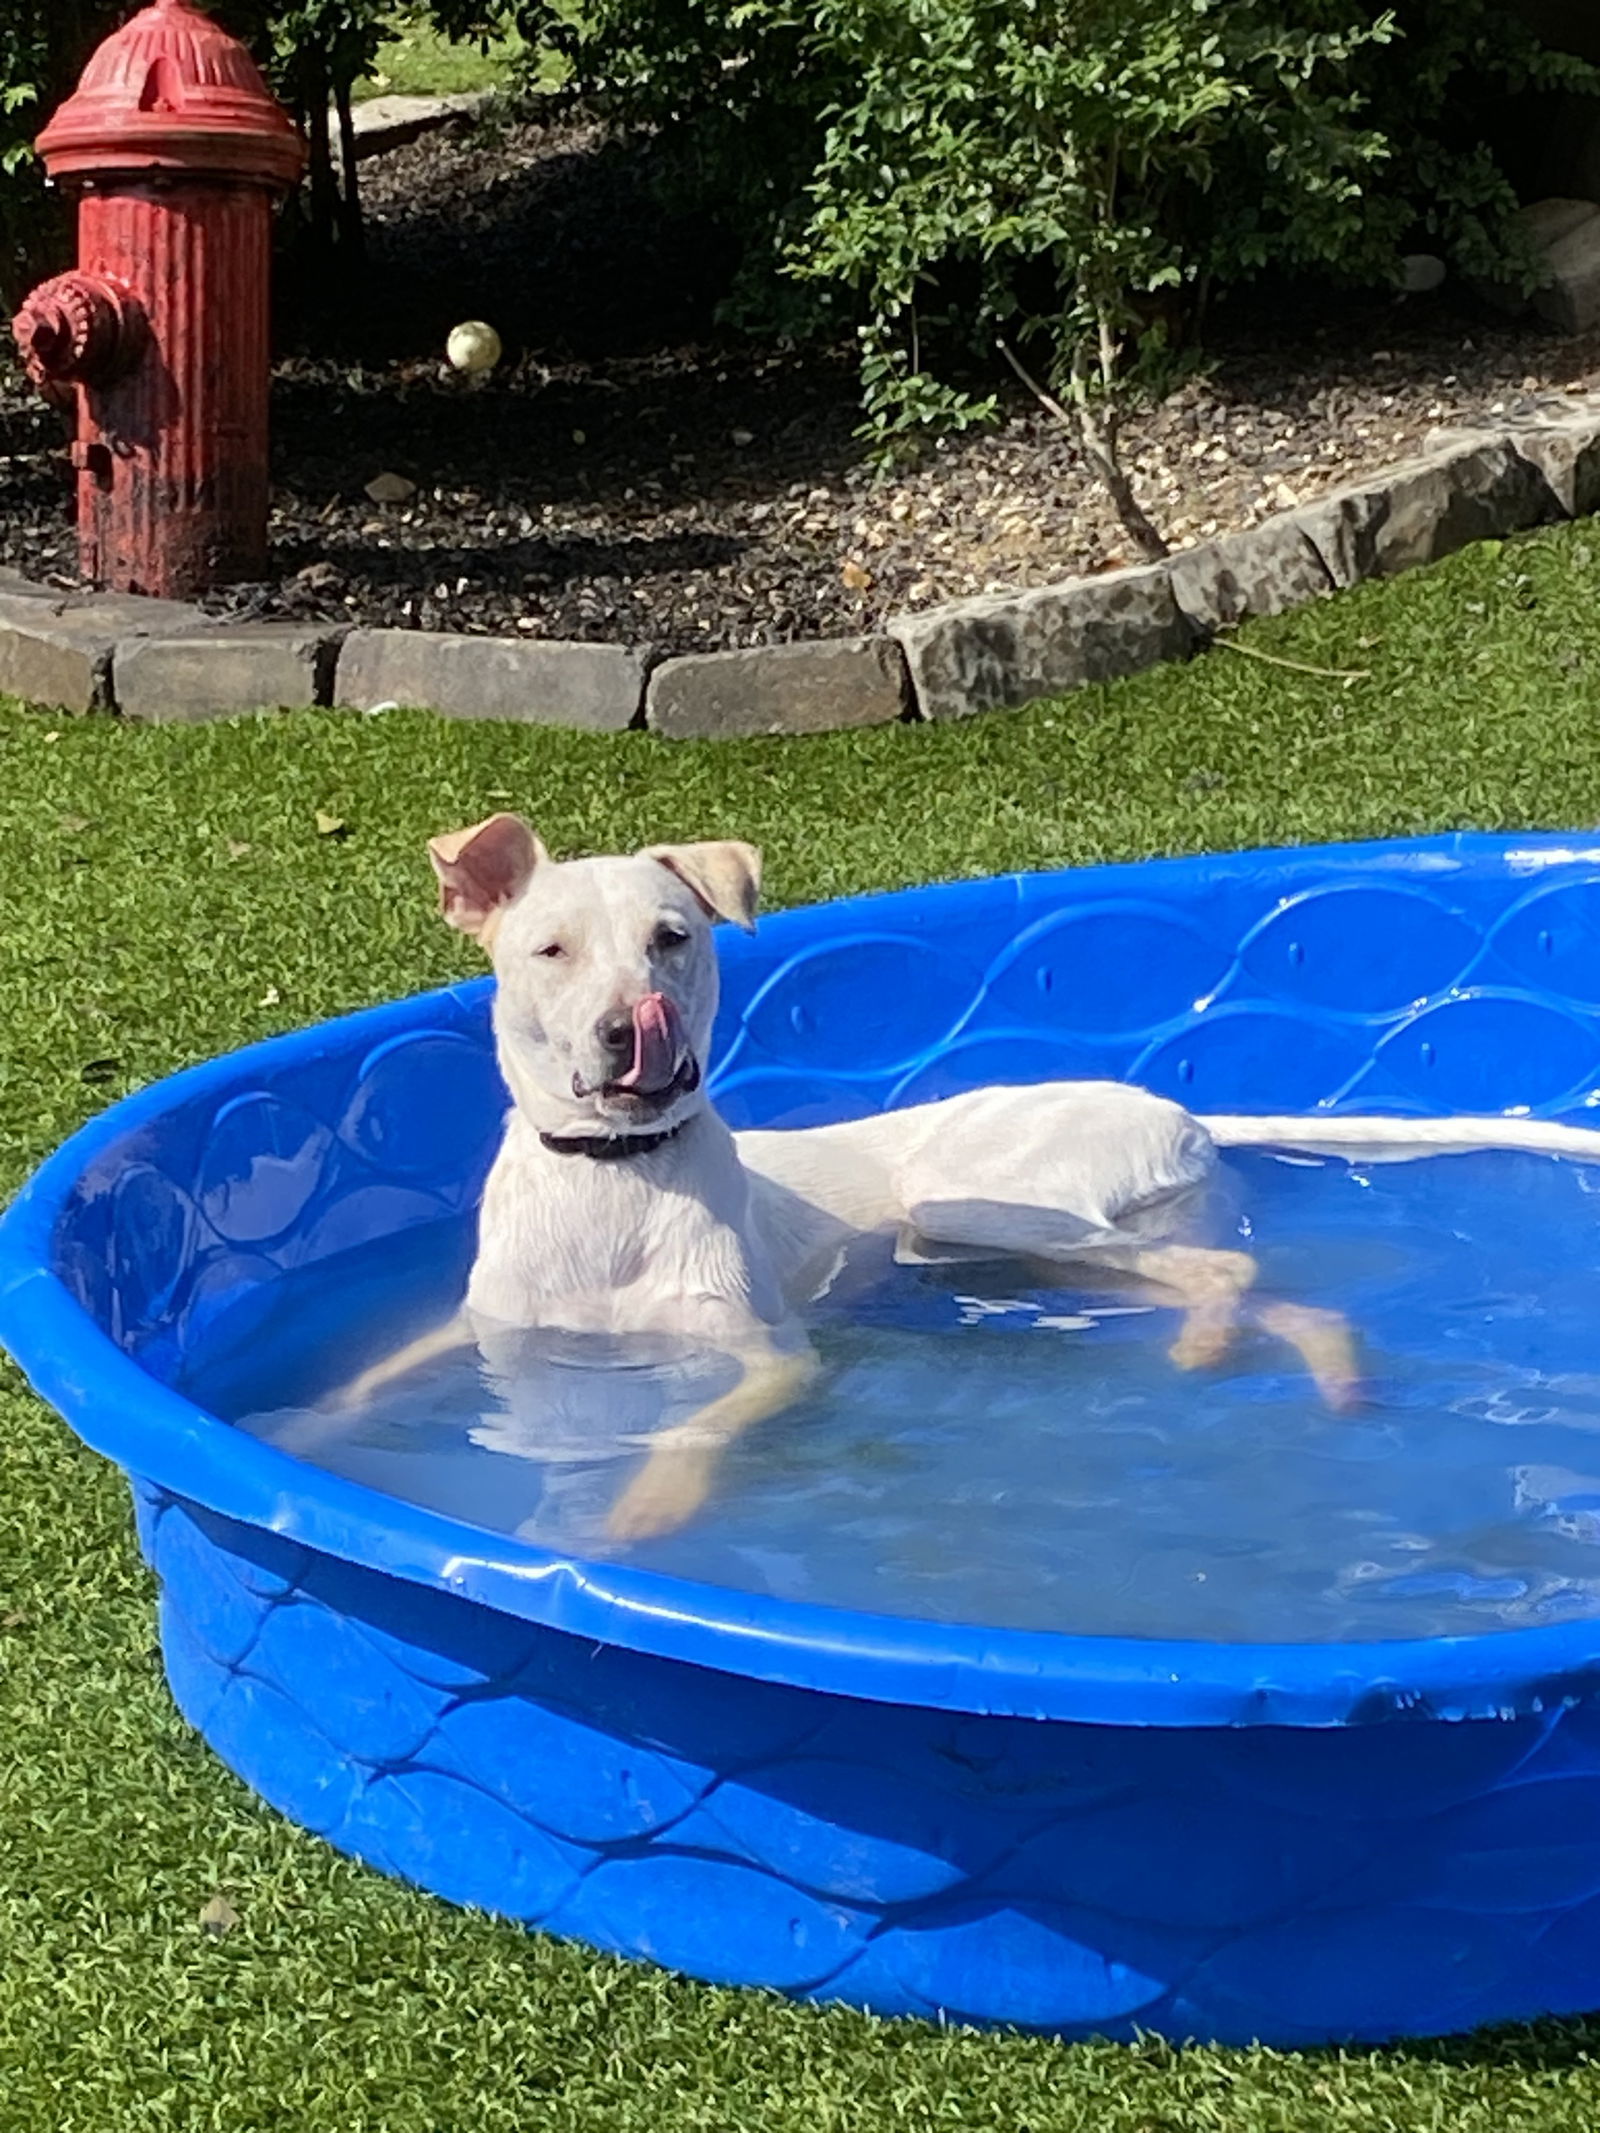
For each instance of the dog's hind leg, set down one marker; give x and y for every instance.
(676, 1478)
(1212, 1289)
(1325, 1343)
(1209, 1288)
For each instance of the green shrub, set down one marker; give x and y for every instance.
(1087, 160)
(43, 45)
(1078, 175)
(736, 95)
(315, 52)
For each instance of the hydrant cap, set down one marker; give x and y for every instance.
(171, 90)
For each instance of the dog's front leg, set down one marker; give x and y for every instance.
(455, 1333)
(312, 1429)
(676, 1478)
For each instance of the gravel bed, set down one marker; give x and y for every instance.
(634, 473)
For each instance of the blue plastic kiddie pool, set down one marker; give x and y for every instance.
(1290, 1841)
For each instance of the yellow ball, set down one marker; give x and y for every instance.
(473, 347)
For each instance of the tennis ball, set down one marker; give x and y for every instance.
(473, 347)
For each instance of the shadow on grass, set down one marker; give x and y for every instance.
(1549, 2047)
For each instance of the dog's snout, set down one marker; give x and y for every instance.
(615, 1031)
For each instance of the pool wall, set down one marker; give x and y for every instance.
(1068, 1834)
(1227, 1882)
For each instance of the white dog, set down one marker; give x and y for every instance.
(620, 1203)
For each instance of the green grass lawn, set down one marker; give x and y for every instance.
(415, 60)
(168, 895)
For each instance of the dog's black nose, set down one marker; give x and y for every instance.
(615, 1032)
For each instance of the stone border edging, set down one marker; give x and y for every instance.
(159, 660)
(381, 123)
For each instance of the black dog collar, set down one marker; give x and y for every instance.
(610, 1147)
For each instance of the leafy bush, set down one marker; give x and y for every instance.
(736, 94)
(1079, 175)
(315, 52)
(43, 45)
(1089, 162)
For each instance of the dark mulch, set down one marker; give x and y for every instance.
(633, 472)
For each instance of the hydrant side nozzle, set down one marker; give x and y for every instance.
(80, 329)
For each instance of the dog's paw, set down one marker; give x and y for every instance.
(1327, 1346)
(303, 1433)
(1204, 1338)
(355, 1393)
(663, 1496)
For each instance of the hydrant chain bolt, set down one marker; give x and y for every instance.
(177, 152)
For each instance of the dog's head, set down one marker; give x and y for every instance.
(606, 970)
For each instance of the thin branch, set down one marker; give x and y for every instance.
(1047, 400)
(352, 221)
(1099, 449)
(1108, 360)
(1102, 317)
(1295, 666)
(322, 186)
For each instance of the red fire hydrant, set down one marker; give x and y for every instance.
(177, 152)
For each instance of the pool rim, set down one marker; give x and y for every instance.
(161, 1436)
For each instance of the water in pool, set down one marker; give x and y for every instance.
(984, 1448)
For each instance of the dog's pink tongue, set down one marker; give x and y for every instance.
(656, 1048)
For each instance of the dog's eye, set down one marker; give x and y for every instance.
(666, 938)
(553, 949)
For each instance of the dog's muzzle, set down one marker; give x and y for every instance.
(660, 1068)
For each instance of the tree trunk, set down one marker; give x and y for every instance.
(1097, 437)
(352, 223)
(322, 188)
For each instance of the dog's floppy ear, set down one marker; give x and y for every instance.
(481, 869)
(725, 877)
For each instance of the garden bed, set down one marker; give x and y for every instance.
(635, 474)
